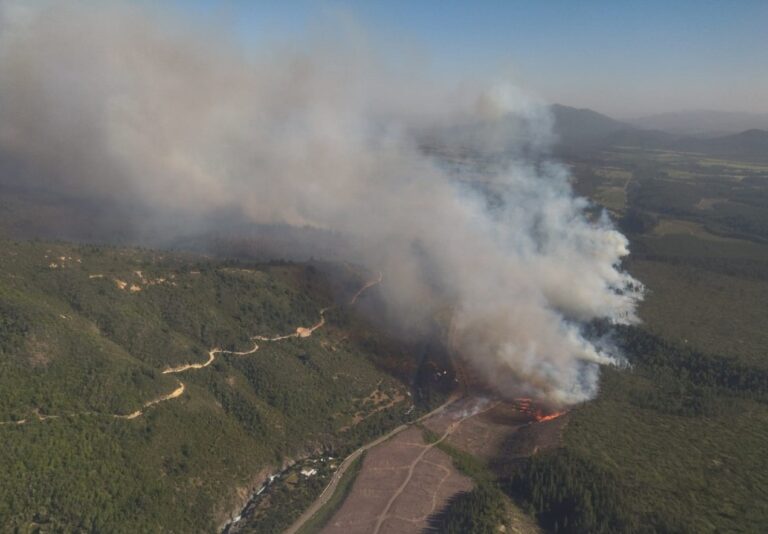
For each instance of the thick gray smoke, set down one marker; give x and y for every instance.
(115, 102)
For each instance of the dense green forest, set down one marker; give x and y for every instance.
(85, 333)
(675, 440)
(478, 511)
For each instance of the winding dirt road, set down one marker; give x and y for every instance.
(330, 489)
(211, 356)
(412, 467)
(133, 415)
(178, 392)
(301, 332)
(370, 284)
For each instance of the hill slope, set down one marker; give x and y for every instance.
(583, 127)
(85, 335)
(673, 443)
(706, 123)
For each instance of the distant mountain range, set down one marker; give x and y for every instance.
(580, 129)
(702, 123)
(576, 127)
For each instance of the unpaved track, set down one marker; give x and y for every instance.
(178, 392)
(301, 332)
(330, 489)
(412, 467)
(405, 480)
(211, 356)
(372, 283)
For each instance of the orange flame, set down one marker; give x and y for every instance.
(541, 418)
(525, 406)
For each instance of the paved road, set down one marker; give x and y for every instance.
(330, 489)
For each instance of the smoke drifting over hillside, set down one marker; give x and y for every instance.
(117, 103)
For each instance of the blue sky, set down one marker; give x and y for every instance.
(623, 58)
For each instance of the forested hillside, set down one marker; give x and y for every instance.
(675, 440)
(96, 437)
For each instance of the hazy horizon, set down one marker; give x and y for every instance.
(622, 60)
(383, 267)
(625, 61)
(329, 133)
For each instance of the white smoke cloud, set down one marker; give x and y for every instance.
(119, 102)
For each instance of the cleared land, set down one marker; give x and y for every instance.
(408, 480)
(402, 483)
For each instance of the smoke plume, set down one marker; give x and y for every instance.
(447, 191)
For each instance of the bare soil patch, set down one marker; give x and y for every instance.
(432, 482)
(405, 480)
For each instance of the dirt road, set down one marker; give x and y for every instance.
(329, 490)
(301, 332)
(385, 514)
(178, 392)
(370, 284)
(211, 356)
